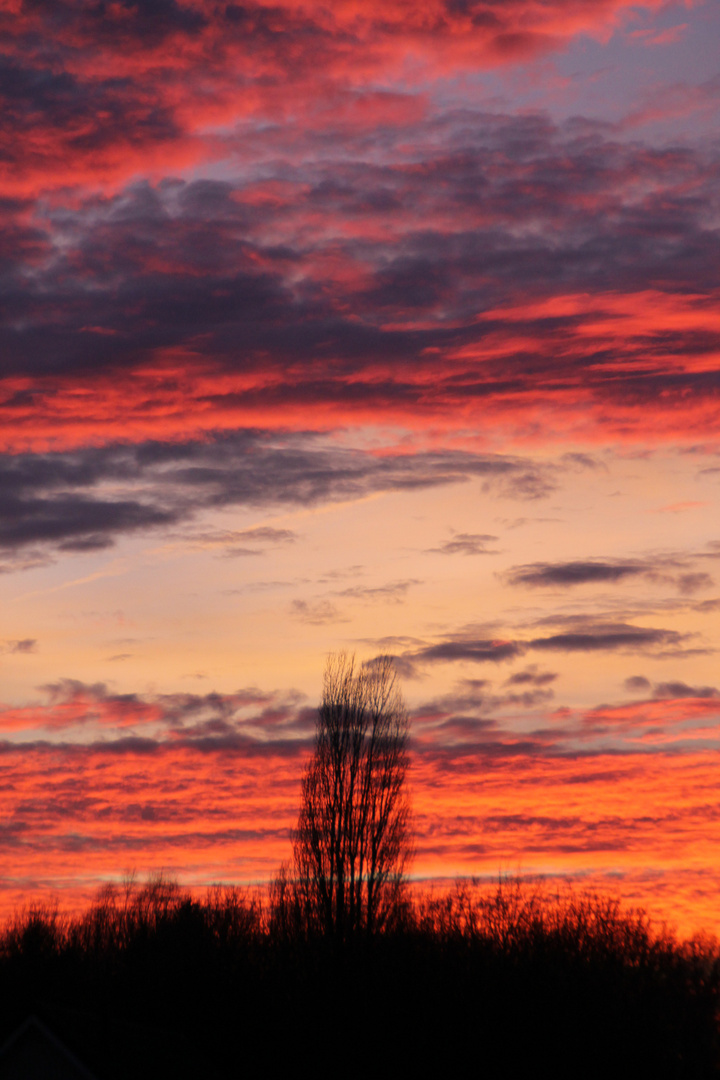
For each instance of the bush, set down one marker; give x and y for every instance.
(512, 977)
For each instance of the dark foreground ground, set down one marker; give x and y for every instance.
(152, 983)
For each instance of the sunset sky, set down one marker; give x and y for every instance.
(391, 327)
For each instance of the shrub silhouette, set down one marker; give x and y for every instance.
(339, 962)
(152, 980)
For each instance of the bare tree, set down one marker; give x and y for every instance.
(352, 841)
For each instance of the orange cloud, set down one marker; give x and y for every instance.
(74, 815)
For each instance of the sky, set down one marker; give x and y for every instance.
(391, 328)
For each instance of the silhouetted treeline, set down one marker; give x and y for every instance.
(151, 981)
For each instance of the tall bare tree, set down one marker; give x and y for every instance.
(352, 841)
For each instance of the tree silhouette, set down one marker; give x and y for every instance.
(352, 844)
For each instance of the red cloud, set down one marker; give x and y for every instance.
(651, 37)
(100, 94)
(675, 717)
(596, 374)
